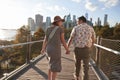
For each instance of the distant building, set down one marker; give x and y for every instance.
(68, 21)
(86, 16)
(74, 20)
(31, 24)
(39, 21)
(44, 26)
(98, 22)
(48, 22)
(89, 22)
(105, 19)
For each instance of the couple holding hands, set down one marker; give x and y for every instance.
(82, 36)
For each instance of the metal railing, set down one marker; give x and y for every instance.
(106, 56)
(13, 62)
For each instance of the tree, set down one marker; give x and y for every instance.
(36, 47)
(107, 31)
(116, 31)
(39, 34)
(22, 34)
(97, 30)
(67, 33)
(21, 37)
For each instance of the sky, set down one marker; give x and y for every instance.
(15, 13)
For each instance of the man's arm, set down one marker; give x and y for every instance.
(71, 37)
(93, 37)
(69, 41)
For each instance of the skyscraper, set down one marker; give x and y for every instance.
(68, 17)
(48, 22)
(105, 19)
(89, 22)
(86, 16)
(31, 24)
(39, 21)
(90, 19)
(68, 21)
(99, 22)
(74, 20)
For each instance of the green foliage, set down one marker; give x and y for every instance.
(36, 47)
(39, 34)
(97, 30)
(117, 31)
(108, 32)
(67, 33)
(22, 34)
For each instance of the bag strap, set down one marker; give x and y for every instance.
(52, 34)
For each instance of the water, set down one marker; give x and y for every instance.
(6, 34)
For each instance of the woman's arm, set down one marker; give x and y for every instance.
(64, 43)
(44, 45)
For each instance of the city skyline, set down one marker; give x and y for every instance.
(14, 13)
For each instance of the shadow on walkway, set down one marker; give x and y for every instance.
(40, 72)
(32, 66)
(68, 59)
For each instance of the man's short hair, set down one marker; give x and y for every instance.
(82, 18)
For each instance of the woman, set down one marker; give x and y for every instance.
(53, 47)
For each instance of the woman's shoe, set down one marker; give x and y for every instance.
(75, 77)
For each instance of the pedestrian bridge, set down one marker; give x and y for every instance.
(104, 64)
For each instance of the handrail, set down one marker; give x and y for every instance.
(105, 48)
(16, 71)
(110, 40)
(96, 45)
(7, 46)
(108, 49)
(21, 68)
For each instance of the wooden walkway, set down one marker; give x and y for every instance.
(39, 70)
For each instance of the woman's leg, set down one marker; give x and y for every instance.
(49, 75)
(54, 74)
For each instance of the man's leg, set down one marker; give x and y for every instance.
(77, 67)
(86, 68)
(77, 62)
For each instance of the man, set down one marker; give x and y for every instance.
(83, 37)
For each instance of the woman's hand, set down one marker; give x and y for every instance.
(42, 51)
(67, 52)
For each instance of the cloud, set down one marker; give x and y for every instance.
(103, 8)
(40, 8)
(102, 0)
(55, 8)
(110, 3)
(46, 9)
(78, 1)
(90, 6)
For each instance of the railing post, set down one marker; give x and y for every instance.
(0, 67)
(28, 47)
(98, 52)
